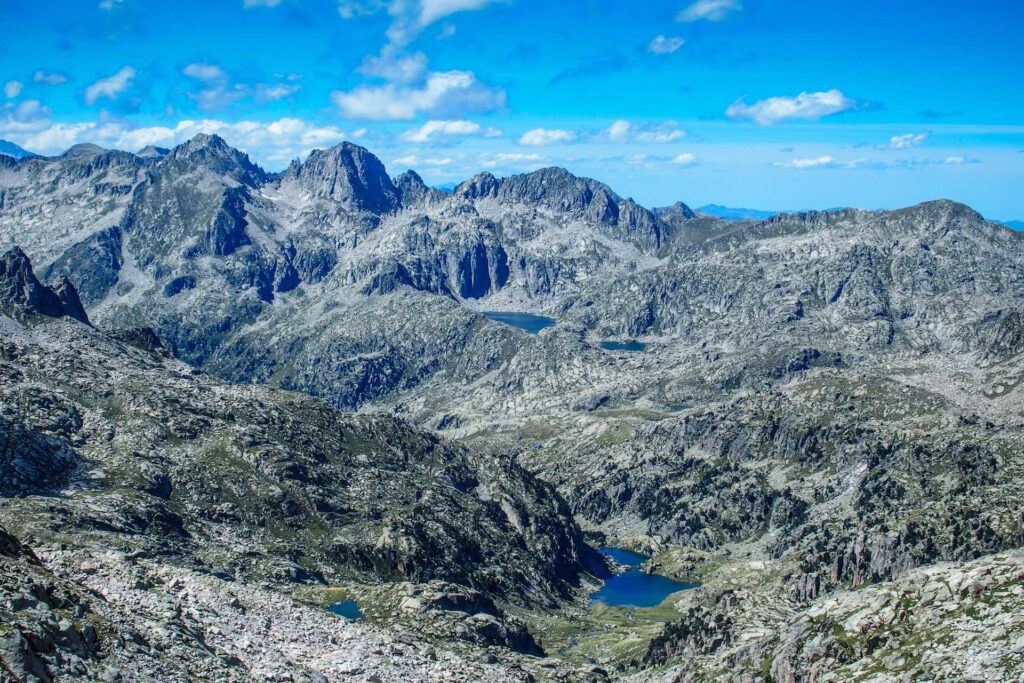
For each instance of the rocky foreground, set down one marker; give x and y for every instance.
(106, 616)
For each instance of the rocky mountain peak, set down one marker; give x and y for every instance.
(22, 294)
(85, 149)
(677, 211)
(555, 188)
(205, 141)
(152, 152)
(349, 174)
(479, 186)
(410, 179)
(214, 154)
(411, 188)
(946, 208)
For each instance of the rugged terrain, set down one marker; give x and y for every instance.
(129, 471)
(827, 405)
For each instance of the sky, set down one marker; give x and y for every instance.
(767, 104)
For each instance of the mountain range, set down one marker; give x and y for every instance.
(824, 413)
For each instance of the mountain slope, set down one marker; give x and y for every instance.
(12, 150)
(110, 444)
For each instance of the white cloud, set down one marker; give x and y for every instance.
(58, 137)
(544, 136)
(12, 89)
(432, 10)
(412, 160)
(709, 10)
(662, 45)
(219, 97)
(204, 72)
(660, 135)
(957, 160)
(808, 106)
(510, 160)
(277, 141)
(618, 130)
(110, 4)
(907, 141)
(350, 9)
(684, 159)
(220, 93)
(27, 116)
(406, 69)
(265, 92)
(807, 163)
(41, 76)
(441, 91)
(409, 17)
(410, 88)
(413, 15)
(441, 128)
(622, 131)
(110, 87)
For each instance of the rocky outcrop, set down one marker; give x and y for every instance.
(414, 192)
(22, 295)
(705, 629)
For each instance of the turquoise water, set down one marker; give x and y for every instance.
(634, 588)
(524, 321)
(623, 346)
(348, 609)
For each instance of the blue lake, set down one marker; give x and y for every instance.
(524, 321)
(623, 346)
(348, 609)
(634, 588)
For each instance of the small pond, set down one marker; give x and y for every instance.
(623, 346)
(348, 609)
(524, 321)
(634, 588)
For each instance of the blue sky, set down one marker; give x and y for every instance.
(777, 104)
